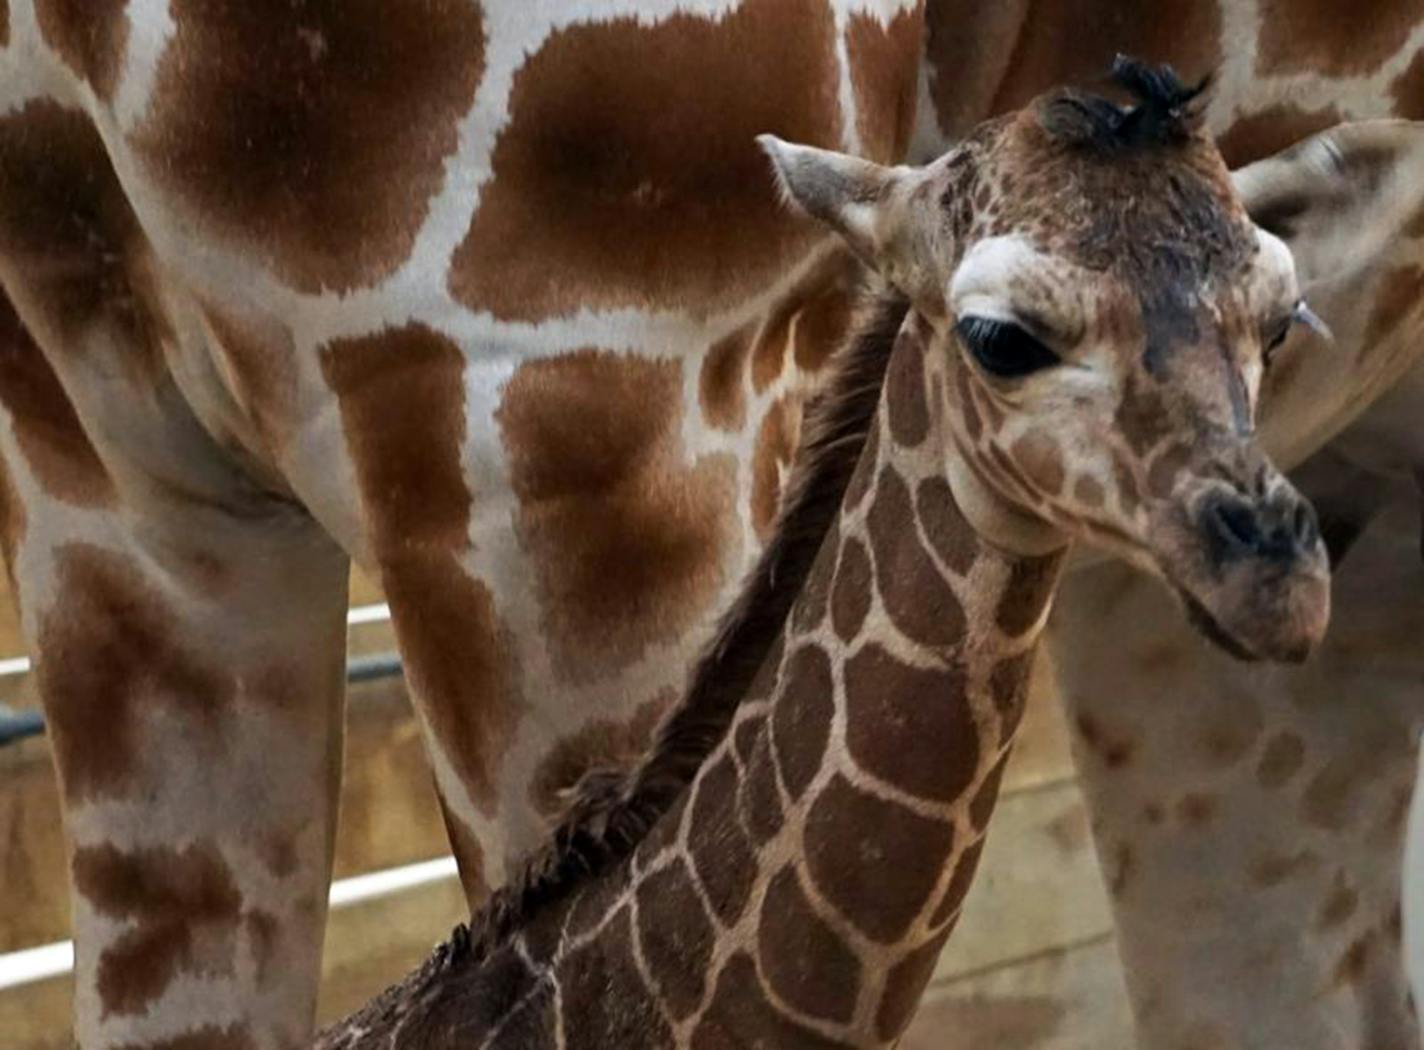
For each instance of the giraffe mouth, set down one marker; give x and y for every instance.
(1210, 629)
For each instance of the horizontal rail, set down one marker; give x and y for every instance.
(20, 725)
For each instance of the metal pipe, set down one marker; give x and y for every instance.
(20, 725)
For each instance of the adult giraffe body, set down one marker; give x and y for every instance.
(494, 298)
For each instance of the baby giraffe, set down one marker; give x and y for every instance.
(1073, 317)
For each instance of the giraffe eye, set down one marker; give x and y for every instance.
(1276, 337)
(1004, 349)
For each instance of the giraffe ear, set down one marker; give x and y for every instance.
(1341, 198)
(848, 194)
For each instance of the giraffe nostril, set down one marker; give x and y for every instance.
(1304, 526)
(1234, 522)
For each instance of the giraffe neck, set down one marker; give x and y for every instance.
(834, 833)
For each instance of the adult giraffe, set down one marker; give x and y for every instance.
(494, 298)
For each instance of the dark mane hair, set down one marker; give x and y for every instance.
(1165, 110)
(614, 811)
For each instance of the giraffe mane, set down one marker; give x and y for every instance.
(612, 811)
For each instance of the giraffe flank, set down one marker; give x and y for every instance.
(795, 891)
(495, 299)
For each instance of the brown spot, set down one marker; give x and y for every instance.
(1333, 793)
(804, 962)
(207, 1037)
(1041, 460)
(809, 612)
(182, 911)
(1328, 38)
(676, 937)
(1015, 52)
(865, 470)
(1121, 863)
(906, 398)
(813, 317)
(642, 135)
(852, 590)
(721, 856)
(338, 115)
(1027, 594)
(1408, 89)
(90, 37)
(740, 1016)
(801, 718)
(760, 801)
(1115, 748)
(402, 403)
(1275, 869)
(457, 659)
(1353, 963)
(875, 861)
(910, 726)
(262, 933)
(1089, 492)
(604, 744)
(721, 388)
(4, 23)
(948, 531)
(1224, 740)
(1196, 810)
(1339, 905)
(905, 985)
(594, 905)
(1400, 294)
(775, 447)
(68, 229)
(982, 806)
(915, 595)
(1282, 758)
(604, 997)
(1267, 132)
(964, 868)
(1153, 813)
(111, 653)
(46, 427)
(469, 856)
(884, 60)
(630, 542)
(1008, 687)
(278, 852)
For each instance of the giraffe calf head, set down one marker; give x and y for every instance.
(1104, 309)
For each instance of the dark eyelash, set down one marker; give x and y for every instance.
(1004, 349)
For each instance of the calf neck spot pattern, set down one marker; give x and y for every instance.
(794, 944)
(90, 37)
(629, 541)
(337, 168)
(642, 137)
(899, 875)
(185, 910)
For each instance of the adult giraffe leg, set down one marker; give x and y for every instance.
(1250, 821)
(189, 650)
